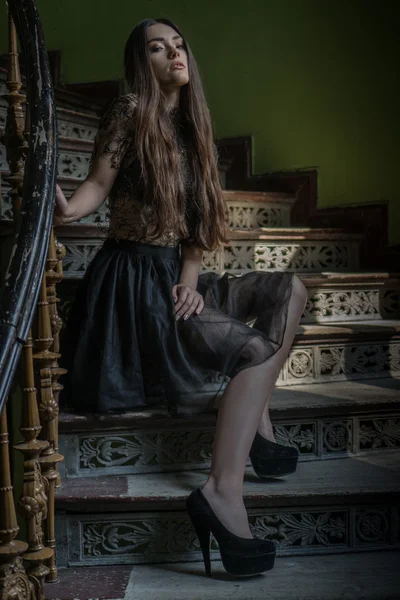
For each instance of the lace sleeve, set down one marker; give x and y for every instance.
(115, 131)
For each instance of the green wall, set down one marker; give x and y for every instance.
(312, 80)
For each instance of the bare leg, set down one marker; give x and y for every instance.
(239, 415)
(265, 426)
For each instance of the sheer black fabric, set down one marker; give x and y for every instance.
(123, 348)
(128, 216)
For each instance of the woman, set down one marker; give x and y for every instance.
(145, 325)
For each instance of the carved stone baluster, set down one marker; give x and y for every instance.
(14, 582)
(13, 139)
(33, 503)
(48, 327)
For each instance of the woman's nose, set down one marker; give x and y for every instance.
(174, 52)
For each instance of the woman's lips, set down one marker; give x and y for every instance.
(178, 66)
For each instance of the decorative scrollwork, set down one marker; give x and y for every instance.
(302, 529)
(15, 584)
(301, 436)
(252, 215)
(305, 257)
(145, 449)
(379, 433)
(372, 526)
(300, 363)
(337, 436)
(331, 305)
(73, 164)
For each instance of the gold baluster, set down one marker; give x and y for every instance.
(48, 329)
(14, 582)
(56, 323)
(33, 503)
(13, 139)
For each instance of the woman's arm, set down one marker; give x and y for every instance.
(187, 299)
(191, 258)
(88, 197)
(110, 145)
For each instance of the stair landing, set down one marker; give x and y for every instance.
(369, 576)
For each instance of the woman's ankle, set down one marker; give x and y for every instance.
(224, 486)
(266, 430)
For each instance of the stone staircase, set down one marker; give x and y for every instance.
(126, 477)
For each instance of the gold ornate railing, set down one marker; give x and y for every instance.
(29, 335)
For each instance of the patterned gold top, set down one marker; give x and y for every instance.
(129, 218)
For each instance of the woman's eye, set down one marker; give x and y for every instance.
(156, 48)
(181, 46)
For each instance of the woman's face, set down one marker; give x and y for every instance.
(168, 56)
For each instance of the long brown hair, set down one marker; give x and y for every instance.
(157, 148)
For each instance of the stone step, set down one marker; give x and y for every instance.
(246, 210)
(325, 507)
(336, 352)
(366, 576)
(329, 353)
(350, 297)
(332, 298)
(322, 421)
(266, 249)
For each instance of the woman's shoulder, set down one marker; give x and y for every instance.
(127, 100)
(120, 108)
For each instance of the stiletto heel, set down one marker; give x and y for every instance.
(203, 533)
(270, 459)
(241, 557)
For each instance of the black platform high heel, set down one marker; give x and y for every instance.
(241, 557)
(270, 459)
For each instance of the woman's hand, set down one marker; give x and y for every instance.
(187, 301)
(62, 209)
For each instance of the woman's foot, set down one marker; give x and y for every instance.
(229, 507)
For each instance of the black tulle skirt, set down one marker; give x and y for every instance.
(124, 350)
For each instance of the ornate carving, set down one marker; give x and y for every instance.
(300, 257)
(335, 305)
(237, 259)
(69, 129)
(33, 503)
(379, 433)
(152, 536)
(6, 202)
(300, 435)
(391, 304)
(350, 360)
(145, 449)
(48, 325)
(14, 139)
(13, 580)
(107, 539)
(14, 583)
(78, 256)
(302, 529)
(72, 164)
(252, 215)
(372, 526)
(301, 363)
(337, 436)
(340, 361)
(212, 261)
